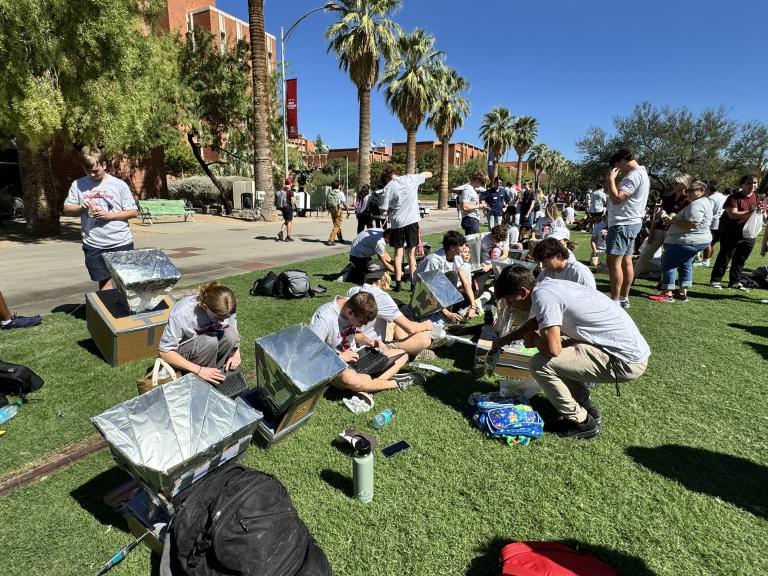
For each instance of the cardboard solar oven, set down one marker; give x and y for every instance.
(175, 434)
(432, 292)
(293, 369)
(514, 359)
(126, 323)
(499, 265)
(474, 243)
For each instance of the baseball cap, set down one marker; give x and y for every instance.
(374, 272)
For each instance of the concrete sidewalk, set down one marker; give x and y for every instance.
(39, 275)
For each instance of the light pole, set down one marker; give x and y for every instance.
(283, 39)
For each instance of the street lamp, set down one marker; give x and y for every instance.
(283, 39)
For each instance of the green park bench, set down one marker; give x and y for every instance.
(149, 209)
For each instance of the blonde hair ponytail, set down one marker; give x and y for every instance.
(219, 299)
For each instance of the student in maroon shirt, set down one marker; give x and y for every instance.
(734, 248)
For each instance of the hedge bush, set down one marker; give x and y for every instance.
(199, 190)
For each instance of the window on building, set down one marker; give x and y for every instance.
(222, 33)
(239, 32)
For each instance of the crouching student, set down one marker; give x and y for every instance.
(336, 324)
(604, 344)
(557, 262)
(367, 244)
(412, 337)
(201, 336)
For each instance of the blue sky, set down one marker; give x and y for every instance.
(570, 63)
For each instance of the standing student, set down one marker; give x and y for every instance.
(470, 205)
(597, 203)
(104, 204)
(362, 213)
(336, 205)
(526, 208)
(717, 199)
(401, 204)
(495, 200)
(285, 202)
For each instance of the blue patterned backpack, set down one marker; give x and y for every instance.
(508, 421)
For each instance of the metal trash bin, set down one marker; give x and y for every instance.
(172, 436)
(432, 292)
(143, 277)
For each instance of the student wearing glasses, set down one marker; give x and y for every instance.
(688, 234)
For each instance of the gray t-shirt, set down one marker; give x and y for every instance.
(110, 194)
(574, 271)
(388, 311)
(470, 196)
(587, 315)
(368, 243)
(187, 321)
(597, 201)
(718, 201)
(632, 210)
(437, 261)
(332, 328)
(699, 211)
(401, 200)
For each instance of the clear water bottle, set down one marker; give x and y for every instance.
(384, 417)
(362, 470)
(10, 411)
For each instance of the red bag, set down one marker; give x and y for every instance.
(550, 559)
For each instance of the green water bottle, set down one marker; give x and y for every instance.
(362, 470)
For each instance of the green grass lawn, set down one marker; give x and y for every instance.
(677, 482)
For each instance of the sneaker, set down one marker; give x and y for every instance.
(592, 410)
(663, 297)
(583, 430)
(624, 304)
(703, 263)
(22, 322)
(681, 297)
(280, 236)
(716, 285)
(408, 379)
(425, 355)
(330, 243)
(738, 286)
(288, 239)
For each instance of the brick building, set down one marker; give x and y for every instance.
(303, 145)
(512, 166)
(458, 152)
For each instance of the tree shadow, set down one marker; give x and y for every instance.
(74, 310)
(733, 479)
(725, 294)
(761, 331)
(487, 562)
(16, 231)
(90, 497)
(338, 481)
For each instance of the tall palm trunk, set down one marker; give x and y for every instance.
(262, 151)
(41, 204)
(442, 199)
(410, 152)
(364, 139)
(519, 178)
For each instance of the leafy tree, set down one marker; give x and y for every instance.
(319, 144)
(526, 131)
(412, 83)
(459, 175)
(446, 117)
(82, 72)
(497, 132)
(363, 34)
(429, 162)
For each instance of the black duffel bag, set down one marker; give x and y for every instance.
(17, 380)
(240, 521)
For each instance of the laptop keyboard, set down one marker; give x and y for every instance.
(371, 361)
(234, 383)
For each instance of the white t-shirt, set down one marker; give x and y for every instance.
(632, 210)
(587, 315)
(699, 211)
(368, 243)
(597, 201)
(569, 213)
(470, 196)
(437, 261)
(388, 311)
(599, 234)
(110, 194)
(332, 328)
(401, 200)
(187, 321)
(718, 201)
(490, 250)
(545, 225)
(574, 271)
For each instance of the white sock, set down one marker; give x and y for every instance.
(5, 322)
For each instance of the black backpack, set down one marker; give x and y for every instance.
(240, 521)
(17, 380)
(374, 203)
(291, 284)
(265, 286)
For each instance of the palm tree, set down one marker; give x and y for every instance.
(497, 132)
(447, 116)
(535, 158)
(526, 131)
(552, 163)
(412, 81)
(262, 150)
(363, 34)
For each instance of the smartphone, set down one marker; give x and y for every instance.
(395, 448)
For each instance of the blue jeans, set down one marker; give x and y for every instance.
(621, 239)
(679, 257)
(494, 220)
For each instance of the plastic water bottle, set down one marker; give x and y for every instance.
(10, 411)
(362, 470)
(383, 418)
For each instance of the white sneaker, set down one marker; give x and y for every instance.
(716, 285)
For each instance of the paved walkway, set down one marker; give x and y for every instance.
(38, 276)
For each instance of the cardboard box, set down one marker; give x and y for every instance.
(270, 431)
(120, 336)
(513, 364)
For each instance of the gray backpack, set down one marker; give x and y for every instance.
(332, 201)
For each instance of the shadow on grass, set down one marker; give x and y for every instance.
(488, 562)
(74, 310)
(89, 345)
(90, 497)
(761, 331)
(337, 480)
(761, 349)
(733, 479)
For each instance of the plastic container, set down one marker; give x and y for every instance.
(383, 418)
(362, 470)
(9, 412)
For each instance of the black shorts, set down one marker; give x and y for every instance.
(407, 236)
(596, 215)
(287, 213)
(94, 260)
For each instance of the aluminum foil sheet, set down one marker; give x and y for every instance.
(508, 318)
(142, 276)
(499, 265)
(174, 434)
(432, 292)
(294, 361)
(474, 243)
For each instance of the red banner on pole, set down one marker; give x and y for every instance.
(292, 110)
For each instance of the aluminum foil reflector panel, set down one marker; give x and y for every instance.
(143, 277)
(499, 265)
(432, 292)
(474, 243)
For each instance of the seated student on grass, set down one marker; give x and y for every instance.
(336, 324)
(599, 234)
(449, 261)
(556, 263)
(368, 243)
(604, 344)
(413, 337)
(201, 336)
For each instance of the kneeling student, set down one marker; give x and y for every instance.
(604, 346)
(337, 322)
(412, 337)
(369, 243)
(556, 262)
(201, 335)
